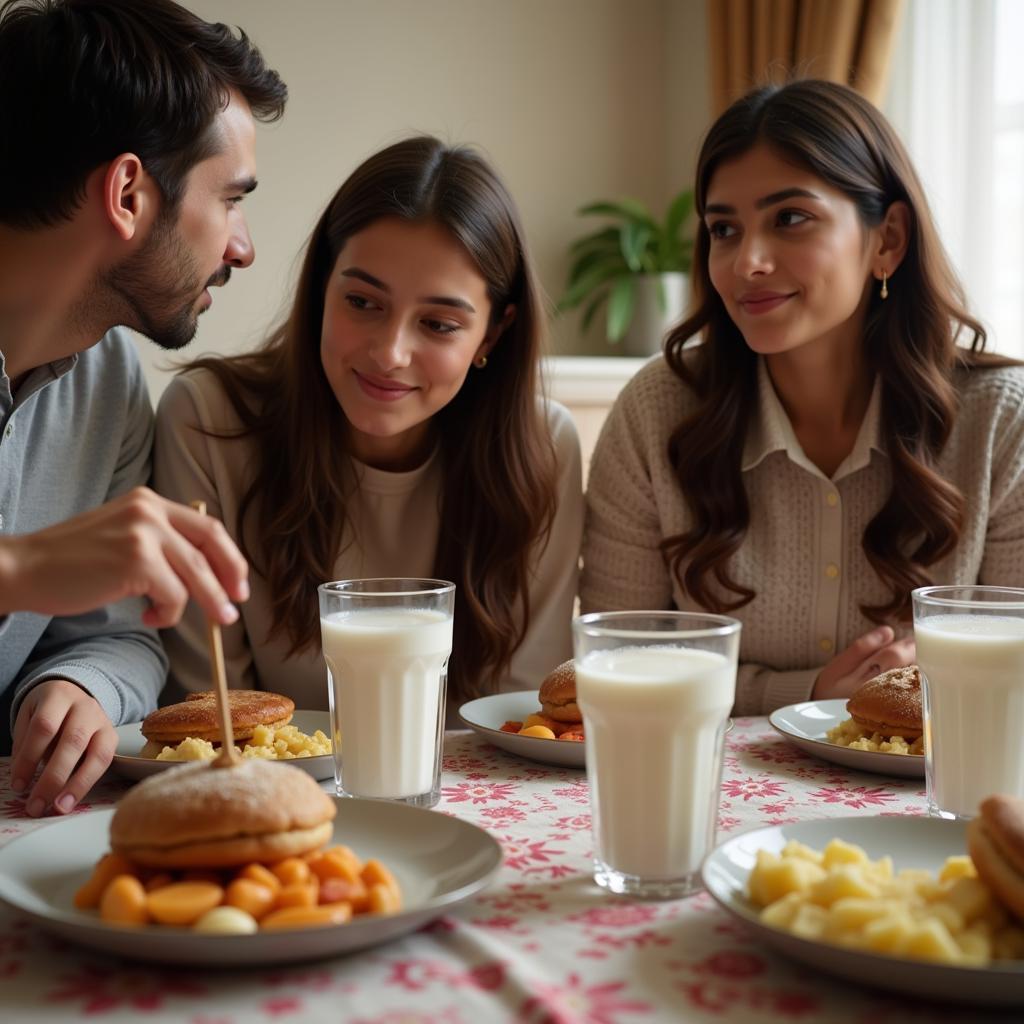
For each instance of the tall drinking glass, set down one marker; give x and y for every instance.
(970, 649)
(655, 689)
(387, 643)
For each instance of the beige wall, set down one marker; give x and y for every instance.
(572, 99)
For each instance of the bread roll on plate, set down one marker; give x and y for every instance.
(558, 694)
(199, 816)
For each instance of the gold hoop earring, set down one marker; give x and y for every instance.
(884, 293)
(480, 363)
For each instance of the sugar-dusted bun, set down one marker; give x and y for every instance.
(890, 704)
(201, 816)
(197, 716)
(558, 694)
(995, 841)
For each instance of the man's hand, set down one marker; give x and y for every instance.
(138, 545)
(868, 656)
(62, 724)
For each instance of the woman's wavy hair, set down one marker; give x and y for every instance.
(499, 474)
(912, 340)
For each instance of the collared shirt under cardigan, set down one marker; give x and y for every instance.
(75, 434)
(803, 549)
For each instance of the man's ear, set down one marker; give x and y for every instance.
(130, 196)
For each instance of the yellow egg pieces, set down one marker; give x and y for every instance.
(839, 895)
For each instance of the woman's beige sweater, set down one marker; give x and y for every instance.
(802, 552)
(391, 530)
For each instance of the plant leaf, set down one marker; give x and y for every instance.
(678, 213)
(606, 238)
(593, 258)
(622, 209)
(633, 240)
(593, 279)
(620, 307)
(595, 305)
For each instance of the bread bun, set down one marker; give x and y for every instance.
(199, 816)
(890, 704)
(995, 841)
(558, 694)
(197, 716)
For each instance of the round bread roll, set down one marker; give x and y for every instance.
(558, 694)
(890, 704)
(197, 716)
(198, 816)
(995, 841)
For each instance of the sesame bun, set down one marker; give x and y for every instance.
(995, 841)
(199, 816)
(197, 716)
(890, 704)
(558, 694)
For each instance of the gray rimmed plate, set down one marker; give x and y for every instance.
(806, 724)
(130, 741)
(485, 716)
(439, 861)
(912, 843)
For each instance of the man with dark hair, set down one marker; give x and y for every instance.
(126, 147)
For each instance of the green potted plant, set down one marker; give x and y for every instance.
(637, 267)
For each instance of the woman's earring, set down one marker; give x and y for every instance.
(480, 362)
(885, 286)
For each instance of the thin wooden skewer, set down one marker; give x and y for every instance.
(228, 755)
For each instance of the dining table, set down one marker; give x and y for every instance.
(542, 944)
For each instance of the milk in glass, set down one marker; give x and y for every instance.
(387, 670)
(654, 721)
(974, 707)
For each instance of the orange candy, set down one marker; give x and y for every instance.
(254, 898)
(183, 903)
(307, 917)
(124, 901)
(108, 867)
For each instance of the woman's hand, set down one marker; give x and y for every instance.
(868, 656)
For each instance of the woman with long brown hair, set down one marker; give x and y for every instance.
(391, 426)
(825, 431)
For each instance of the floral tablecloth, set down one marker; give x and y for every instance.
(543, 945)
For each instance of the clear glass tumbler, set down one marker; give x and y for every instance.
(387, 643)
(970, 650)
(655, 689)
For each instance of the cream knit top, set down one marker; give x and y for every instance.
(802, 552)
(391, 530)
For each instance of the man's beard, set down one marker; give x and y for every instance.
(160, 286)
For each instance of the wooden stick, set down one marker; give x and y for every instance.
(228, 755)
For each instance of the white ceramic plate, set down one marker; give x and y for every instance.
(485, 715)
(912, 843)
(439, 861)
(130, 741)
(806, 724)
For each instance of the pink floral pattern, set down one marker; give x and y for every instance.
(543, 945)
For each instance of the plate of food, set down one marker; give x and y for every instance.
(266, 725)
(543, 725)
(879, 729)
(893, 902)
(243, 866)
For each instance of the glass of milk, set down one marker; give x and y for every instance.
(970, 650)
(655, 689)
(387, 643)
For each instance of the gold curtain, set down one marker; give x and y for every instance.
(758, 41)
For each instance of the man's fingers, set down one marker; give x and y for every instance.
(194, 571)
(36, 729)
(98, 755)
(209, 537)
